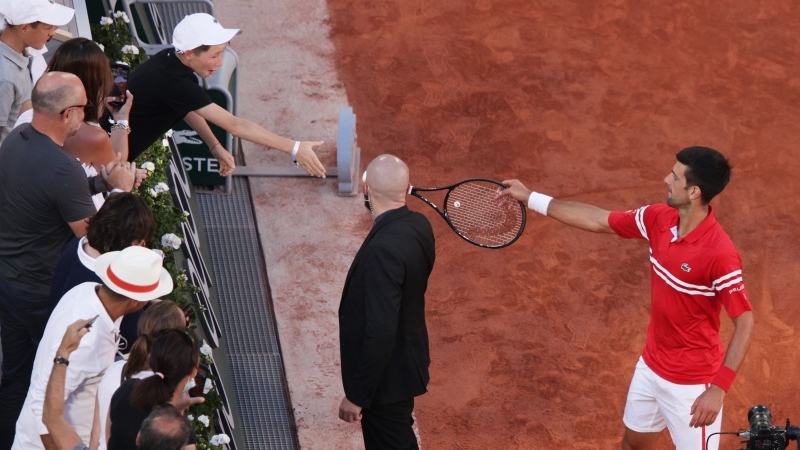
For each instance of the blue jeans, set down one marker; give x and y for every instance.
(23, 317)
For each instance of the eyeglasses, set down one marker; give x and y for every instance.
(73, 106)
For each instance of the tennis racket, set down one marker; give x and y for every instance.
(471, 210)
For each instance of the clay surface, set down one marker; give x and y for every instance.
(533, 346)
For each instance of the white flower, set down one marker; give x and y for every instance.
(189, 417)
(123, 15)
(203, 419)
(169, 133)
(161, 187)
(106, 21)
(130, 49)
(171, 240)
(219, 439)
(186, 214)
(205, 349)
(149, 166)
(165, 143)
(208, 386)
(102, 47)
(153, 193)
(160, 253)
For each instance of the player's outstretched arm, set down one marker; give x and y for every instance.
(579, 215)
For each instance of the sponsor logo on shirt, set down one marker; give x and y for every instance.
(685, 267)
(736, 289)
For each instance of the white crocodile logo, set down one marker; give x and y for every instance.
(186, 137)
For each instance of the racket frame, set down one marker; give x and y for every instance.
(413, 190)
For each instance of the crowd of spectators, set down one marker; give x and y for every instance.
(85, 363)
(92, 357)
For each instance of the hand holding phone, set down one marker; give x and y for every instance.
(89, 325)
(200, 381)
(119, 74)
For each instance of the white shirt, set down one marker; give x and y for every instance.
(86, 366)
(108, 385)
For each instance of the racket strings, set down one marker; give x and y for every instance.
(479, 217)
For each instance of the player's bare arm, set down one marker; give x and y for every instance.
(708, 405)
(579, 215)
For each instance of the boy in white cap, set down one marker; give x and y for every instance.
(131, 278)
(167, 91)
(29, 23)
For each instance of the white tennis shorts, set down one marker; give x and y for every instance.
(654, 404)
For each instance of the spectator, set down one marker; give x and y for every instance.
(174, 359)
(158, 317)
(164, 429)
(131, 278)
(91, 144)
(124, 220)
(167, 91)
(63, 435)
(29, 23)
(44, 202)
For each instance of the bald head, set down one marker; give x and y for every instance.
(164, 429)
(387, 177)
(55, 91)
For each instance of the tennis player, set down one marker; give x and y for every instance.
(684, 371)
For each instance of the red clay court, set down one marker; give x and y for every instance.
(533, 346)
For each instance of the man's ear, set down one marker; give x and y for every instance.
(695, 193)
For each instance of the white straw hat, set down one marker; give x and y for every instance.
(200, 29)
(135, 272)
(20, 12)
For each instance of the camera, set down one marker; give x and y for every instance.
(763, 435)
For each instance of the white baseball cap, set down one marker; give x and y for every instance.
(135, 272)
(200, 29)
(20, 12)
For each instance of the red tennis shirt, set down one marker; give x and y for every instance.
(691, 278)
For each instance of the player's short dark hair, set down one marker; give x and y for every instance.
(707, 169)
(164, 429)
(200, 50)
(123, 219)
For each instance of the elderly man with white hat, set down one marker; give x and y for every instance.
(29, 24)
(166, 91)
(131, 278)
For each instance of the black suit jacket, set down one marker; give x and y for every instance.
(383, 338)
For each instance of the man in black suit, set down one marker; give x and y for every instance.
(382, 332)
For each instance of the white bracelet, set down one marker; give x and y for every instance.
(122, 122)
(539, 202)
(295, 149)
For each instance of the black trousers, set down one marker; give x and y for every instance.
(23, 317)
(388, 427)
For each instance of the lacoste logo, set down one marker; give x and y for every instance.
(685, 267)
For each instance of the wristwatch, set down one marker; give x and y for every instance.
(60, 360)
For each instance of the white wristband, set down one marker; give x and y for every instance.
(295, 149)
(122, 122)
(539, 202)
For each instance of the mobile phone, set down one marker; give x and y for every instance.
(200, 381)
(119, 73)
(188, 312)
(89, 325)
